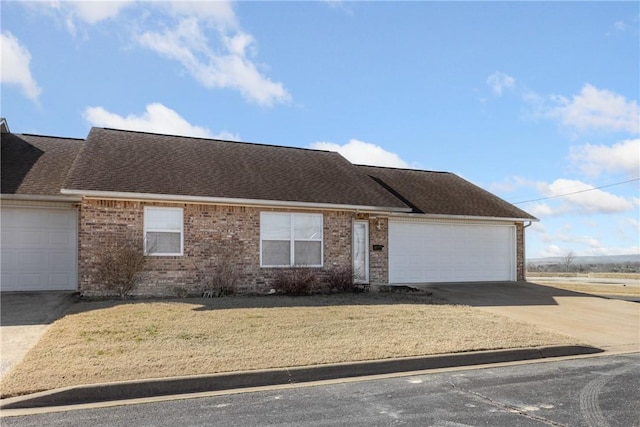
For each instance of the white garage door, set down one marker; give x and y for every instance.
(450, 252)
(39, 249)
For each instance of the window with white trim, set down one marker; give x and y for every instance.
(163, 231)
(290, 239)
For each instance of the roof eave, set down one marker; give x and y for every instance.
(229, 201)
(465, 217)
(42, 197)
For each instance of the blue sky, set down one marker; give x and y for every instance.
(529, 100)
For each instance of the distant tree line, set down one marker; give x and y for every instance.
(564, 267)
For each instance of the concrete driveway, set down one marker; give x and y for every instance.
(609, 324)
(24, 318)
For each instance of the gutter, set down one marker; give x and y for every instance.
(463, 217)
(524, 250)
(115, 195)
(41, 198)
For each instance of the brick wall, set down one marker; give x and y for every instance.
(379, 259)
(214, 231)
(210, 232)
(520, 261)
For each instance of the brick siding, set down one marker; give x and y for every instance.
(379, 259)
(210, 232)
(521, 273)
(215, 231)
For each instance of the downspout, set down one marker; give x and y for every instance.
(524, 250)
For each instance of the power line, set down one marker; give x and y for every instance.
(576, 192)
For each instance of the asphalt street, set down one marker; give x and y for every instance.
(595, 391)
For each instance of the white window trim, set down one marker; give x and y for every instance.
(153, 230)
(292, 240)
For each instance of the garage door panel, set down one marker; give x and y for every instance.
(39, 249)
(60, 261)
(58, 280)
(60, 238)
(437, 252)
(28, 260)
(34, 238)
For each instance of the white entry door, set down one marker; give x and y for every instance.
(39, 249)
(361, 251)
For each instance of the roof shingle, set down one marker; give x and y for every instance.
(442, 193)
(137, 162)
(36, 165)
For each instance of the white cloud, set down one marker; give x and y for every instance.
(620, 26)
(632, 223)
(623, 157)
(499, 81)
(156, 119)
(230, 66)
(597, 109)
(14, 69)
(339, 5)
(363, 153)
(203, 36)
(552, 251)
(512, 184)
(540, 210)
(586, 199)
(219, 13)
(92, 12)
(88, 12)
(556, 251)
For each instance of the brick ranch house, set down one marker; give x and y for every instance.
(270, 206)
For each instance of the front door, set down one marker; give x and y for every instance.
(361, 251)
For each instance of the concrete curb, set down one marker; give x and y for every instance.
(237, 380)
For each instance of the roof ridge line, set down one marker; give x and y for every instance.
(403, 169)
(48, 136)
(214, 139)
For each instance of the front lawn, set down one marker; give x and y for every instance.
(102, 341)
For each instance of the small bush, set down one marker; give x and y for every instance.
(221, 279)
(221, 275)
(340, 279)
(181, 292)
(296, 281)
(120, 265)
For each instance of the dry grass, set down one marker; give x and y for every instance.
(594, 288)
(591, 275)
(112, 341)
(616, 275)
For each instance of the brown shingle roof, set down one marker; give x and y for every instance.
(36, 165)
(442, 193)
(137, 162)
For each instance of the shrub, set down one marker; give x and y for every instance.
(120, 265)
(221, 279)
(340, 278)
(296, 281)
(221, 275)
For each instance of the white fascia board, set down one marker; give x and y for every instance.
(461, 217)
(4, 125)
(41, 198)
(228, 201)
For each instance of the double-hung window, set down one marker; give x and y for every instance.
(290, 239)
(163, 231)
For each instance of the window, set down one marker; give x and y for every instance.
(288, 239)
(163, 231)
